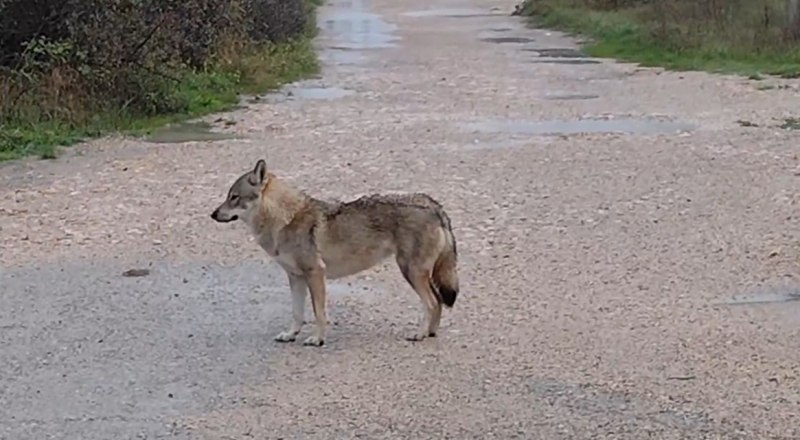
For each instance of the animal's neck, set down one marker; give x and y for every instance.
(279, 205)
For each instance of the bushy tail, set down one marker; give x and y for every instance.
(445, 274)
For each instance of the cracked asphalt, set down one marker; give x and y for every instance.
(628, 237)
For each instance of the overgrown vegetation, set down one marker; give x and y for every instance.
(76, 68)
(748, 37)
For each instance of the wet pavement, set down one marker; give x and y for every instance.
(629, 252)
(306, 90)
(557, 52)
(450, 13)
(768, 296)
(354, 27)
(580, 126)
(566, 96)
(501, 40)
(563, 61)
(195, 131)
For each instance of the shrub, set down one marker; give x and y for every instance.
(279, 20)
(69, 60)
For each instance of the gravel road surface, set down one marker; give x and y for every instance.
(629, 252)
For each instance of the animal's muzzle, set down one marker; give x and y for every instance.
(215, 216)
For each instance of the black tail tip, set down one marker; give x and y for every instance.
(448, 296)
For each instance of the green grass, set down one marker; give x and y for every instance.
(791, 124)
(618, 35)
(206, 92)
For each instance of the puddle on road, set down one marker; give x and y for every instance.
(307, 91)
(316, 93)
(186, 132)
(502, 40)
(449, 13)
(353, 27)
(342, 55)
(560, 56)
(563, 96)
(557, 53)
(777, 296)
(581, 126)
(564, 61)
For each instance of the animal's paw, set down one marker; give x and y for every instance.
(313, 341)
(286, 337)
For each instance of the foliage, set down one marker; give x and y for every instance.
(72, 68)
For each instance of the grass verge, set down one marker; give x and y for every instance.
(213, 90)
(624, 35)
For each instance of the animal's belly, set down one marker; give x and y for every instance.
(340, 262)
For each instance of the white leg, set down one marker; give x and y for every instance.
(316, 283)
(433, 330)
(424, 325)
(421, 285)
(299, 288)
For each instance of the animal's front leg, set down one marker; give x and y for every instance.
(299, 288)
(316, 283)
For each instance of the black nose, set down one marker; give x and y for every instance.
(215, 214)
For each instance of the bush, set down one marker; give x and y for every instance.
(280, 19)
(68, 61)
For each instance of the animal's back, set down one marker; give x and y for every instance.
(360, 233)
(385, 213)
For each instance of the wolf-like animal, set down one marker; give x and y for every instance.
(313, 240)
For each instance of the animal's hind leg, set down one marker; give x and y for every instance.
(433, 329)
(421, 282)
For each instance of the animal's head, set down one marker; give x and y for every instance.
(244, 195)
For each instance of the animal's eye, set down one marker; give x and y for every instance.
(234, 198)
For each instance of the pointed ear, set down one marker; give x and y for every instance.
(259, 172)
